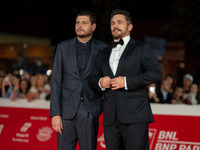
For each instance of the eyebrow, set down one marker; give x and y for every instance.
(82, 21)
(117, 21)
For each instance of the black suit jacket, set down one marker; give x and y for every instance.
(67, 83)
(140, 67)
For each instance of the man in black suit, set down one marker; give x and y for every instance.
(123, 71)
(74, 106)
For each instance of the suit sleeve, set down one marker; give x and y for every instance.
(151, 70)
(56, 84)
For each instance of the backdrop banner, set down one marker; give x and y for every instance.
(30, 128)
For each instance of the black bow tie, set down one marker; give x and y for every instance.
(114, 44)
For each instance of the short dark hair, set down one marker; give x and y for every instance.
(91, 15)
(122, 12)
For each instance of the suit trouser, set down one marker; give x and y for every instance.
(121, 136)
(83, 128)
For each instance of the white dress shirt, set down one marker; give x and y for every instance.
(115, 57)
(116, 54)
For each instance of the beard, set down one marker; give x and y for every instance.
(83, 35)
(118, 36)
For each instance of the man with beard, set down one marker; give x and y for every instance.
(74, 107)
(123, 71)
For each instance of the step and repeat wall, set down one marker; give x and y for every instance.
(26, 125)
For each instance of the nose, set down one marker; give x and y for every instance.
(80, 25)
(115, 26)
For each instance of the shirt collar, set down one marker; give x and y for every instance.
(126, 39)
(83, 44)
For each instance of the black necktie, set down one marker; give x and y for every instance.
(114, 44)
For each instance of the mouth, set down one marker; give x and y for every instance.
(116, 30)
(78, 30)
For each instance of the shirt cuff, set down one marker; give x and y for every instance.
(103, 89)
(126, 88)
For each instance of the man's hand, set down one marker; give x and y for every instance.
(105, 82)
(118, 83)
(57, 124)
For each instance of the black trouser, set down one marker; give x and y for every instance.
(121, 136)
(83, 128)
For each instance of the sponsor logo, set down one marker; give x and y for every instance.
(26, 135)
(4, 116)
(101, 141)
(168, 140)
(38, 118)
(1, 128)
(44, 134)
(22, 136)
(152, 134)
(20, 140)
(25, 127)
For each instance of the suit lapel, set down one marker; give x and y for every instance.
(129, 49)
(72, 52)
(94, 52)
(93, 56)
(107, 62)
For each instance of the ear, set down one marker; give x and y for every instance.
(130, 27)
(94, 26)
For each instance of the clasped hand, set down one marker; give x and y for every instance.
(115, 83)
